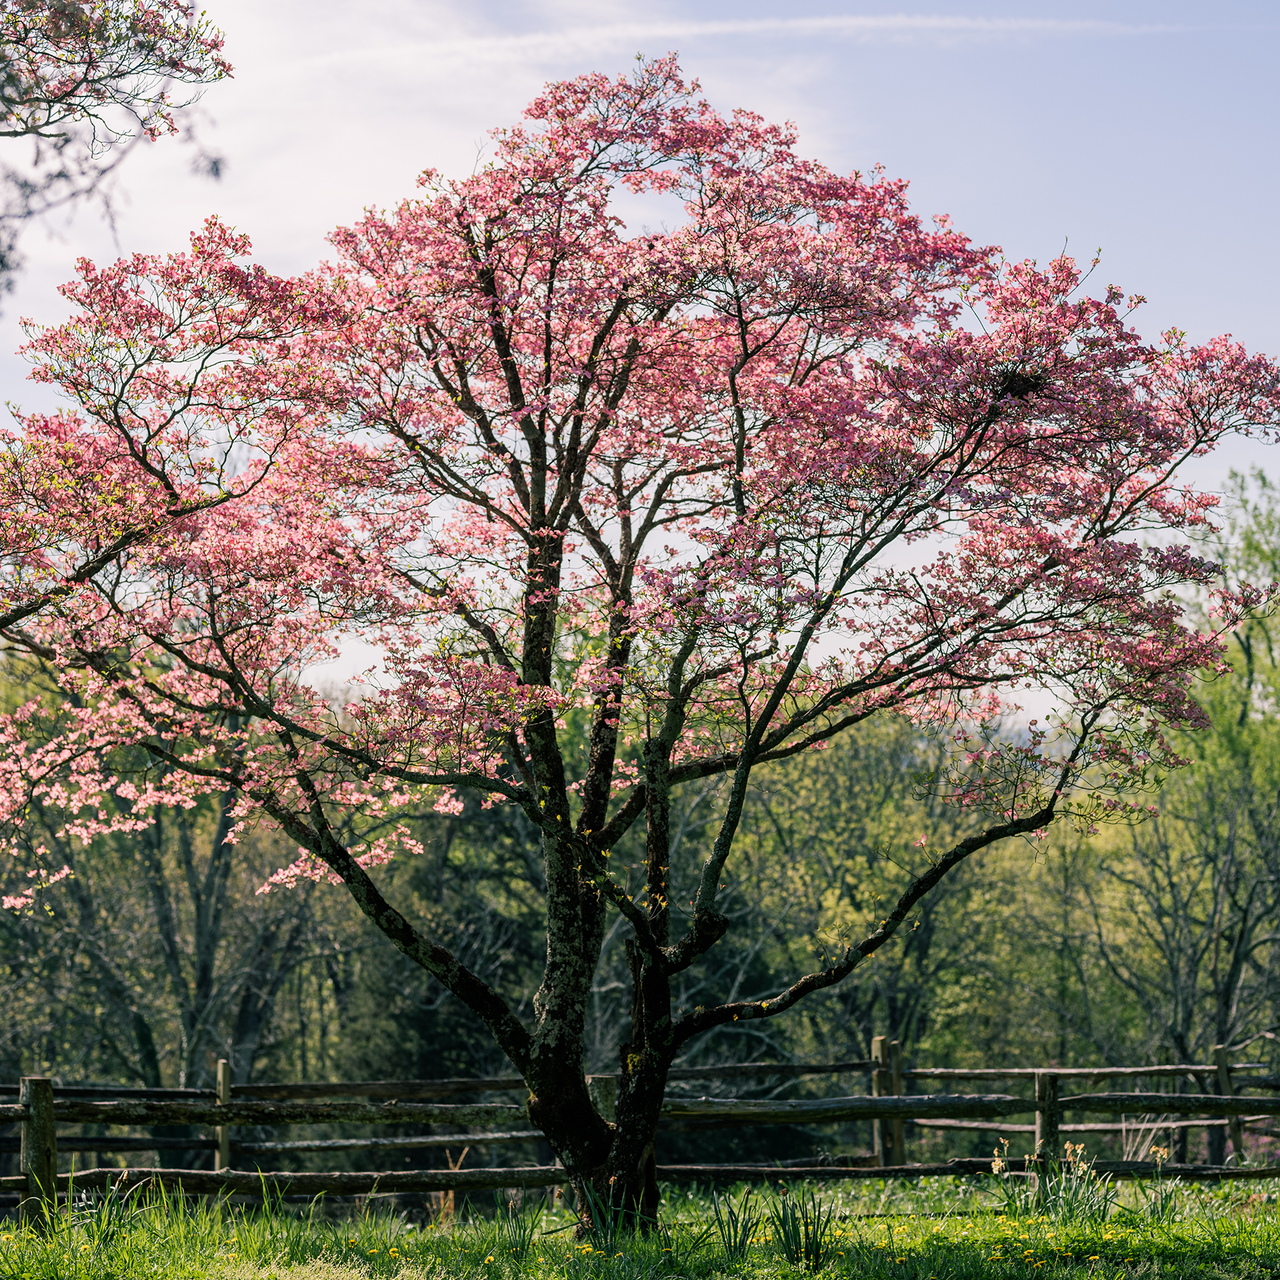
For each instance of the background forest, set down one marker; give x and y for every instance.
(1140, 944)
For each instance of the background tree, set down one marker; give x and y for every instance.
(1198, 888)
(80, 85)
(623, 514)
(157, 955)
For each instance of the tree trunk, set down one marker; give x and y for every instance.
(611, 1163)
(610, 1159)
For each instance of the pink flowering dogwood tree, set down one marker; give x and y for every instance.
(619, 510)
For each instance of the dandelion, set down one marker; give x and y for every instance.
(489, 1259)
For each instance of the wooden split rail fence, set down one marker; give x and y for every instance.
(40, 1108)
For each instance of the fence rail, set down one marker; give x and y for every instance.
(269, 1113)
(727, 1110)
(239, 1182)
(1079, 1073)
(41, 1107)
(405, 1090)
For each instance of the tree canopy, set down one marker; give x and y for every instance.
(619, 511)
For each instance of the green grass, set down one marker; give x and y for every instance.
(938, 1230)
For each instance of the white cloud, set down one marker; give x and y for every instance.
(589, 40)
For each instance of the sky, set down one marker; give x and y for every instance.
(1144, 130)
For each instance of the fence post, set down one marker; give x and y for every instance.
(899, 1125)
(39, 1158)
(880, 1085)
(222, 1158)
(1234, 1125)
(1048, 1134)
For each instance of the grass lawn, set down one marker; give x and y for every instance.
(934, 1231)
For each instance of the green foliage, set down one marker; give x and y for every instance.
(515, 1227)
(607, 1222)
(736, 1225)
(1159, 1200)
(939, 1229)
(803, 1227)
(1070, 1191)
